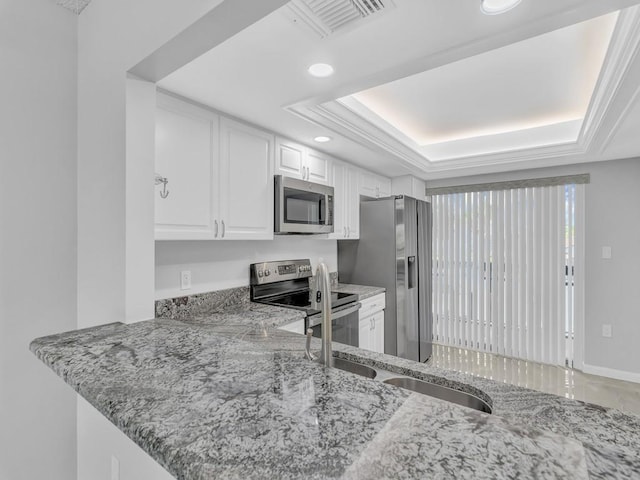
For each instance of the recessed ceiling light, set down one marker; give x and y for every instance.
(321, 70)
(495, 7)
(322, 139)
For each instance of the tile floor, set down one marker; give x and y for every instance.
(624, 396)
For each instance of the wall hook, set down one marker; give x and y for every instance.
(162, 180)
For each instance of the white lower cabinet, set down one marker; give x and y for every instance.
(371, 324)
(219, 172)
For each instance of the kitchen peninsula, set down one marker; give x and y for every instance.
(226, 394)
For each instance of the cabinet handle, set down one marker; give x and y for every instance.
(306, 174)
(215, 231)
(223, 229)
(373, 325)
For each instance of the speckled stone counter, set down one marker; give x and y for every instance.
(227, 395)
(362, 291)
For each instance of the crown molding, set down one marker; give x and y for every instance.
(623, 50)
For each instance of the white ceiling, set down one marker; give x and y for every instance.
(443, 73)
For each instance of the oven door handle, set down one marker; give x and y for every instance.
(345, 311)
(316, 319)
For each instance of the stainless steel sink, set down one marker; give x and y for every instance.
(438, 391)
(353, 367)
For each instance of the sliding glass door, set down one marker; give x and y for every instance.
(508, 271)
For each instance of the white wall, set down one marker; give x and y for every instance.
(107, 453)
(219, 265)
(37, 235)
(612, 287)
(113, 36)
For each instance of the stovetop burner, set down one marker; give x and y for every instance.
(301, 300)
(286, 284)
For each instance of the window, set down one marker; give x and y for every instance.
(508, 269)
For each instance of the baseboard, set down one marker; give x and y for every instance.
(612, 373)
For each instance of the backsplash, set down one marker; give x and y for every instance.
(333, 276)
(201, 303)
(204, 303)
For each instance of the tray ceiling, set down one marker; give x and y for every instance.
(432, 88)
(542, 85)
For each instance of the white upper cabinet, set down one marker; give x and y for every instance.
(318, 167)
(353, 204)
(289, 158)
(374, 186)
(340, 195)
(346, 201)
(299, 161)
(220, 177)
(186, 154)
(245, 182)
(219, 172)
(408, 185)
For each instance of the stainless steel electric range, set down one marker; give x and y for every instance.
(286, 284)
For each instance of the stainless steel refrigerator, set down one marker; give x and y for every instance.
(394, 252)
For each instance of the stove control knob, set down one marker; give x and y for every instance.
(259, 273)
(301, 268)
(267, 273)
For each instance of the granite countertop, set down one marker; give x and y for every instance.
(227, 395)
(362, 291)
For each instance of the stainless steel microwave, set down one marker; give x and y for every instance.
(302, 207)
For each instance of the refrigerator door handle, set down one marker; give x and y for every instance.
(411, 272)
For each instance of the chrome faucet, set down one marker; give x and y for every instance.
(322, 291)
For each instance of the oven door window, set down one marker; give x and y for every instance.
(345, 330)
(307, 208)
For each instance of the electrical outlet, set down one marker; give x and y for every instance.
(115, 468)
(185, 280)
(606, 252)
(607, 331)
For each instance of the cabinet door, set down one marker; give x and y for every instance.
(374, 186)
(384, 187)
(377, 333)
(186, 151)
(290, 158)
(352, 204)
(340, 200)
(318, 167)
(245, 182)
(364, 334)
(367, 184)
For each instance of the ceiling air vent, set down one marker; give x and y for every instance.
(325, 17)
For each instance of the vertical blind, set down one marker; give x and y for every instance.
(508, 274)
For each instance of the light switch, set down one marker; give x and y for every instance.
(606, 252)
(607, 331)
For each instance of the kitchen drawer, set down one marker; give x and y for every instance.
(372, 305)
